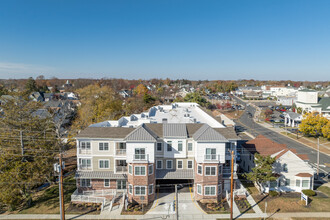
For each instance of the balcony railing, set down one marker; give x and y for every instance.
(81, 167)
(212, 157)
(121, 169)
(121, 152)
(140, 156)
(84, 151)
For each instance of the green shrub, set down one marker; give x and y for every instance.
(273, 193)
(309, 192)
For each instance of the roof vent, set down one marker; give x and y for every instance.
(164, 120)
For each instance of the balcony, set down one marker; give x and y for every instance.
(121, 169)
(84, 151)
(212, 157)
(121, 152)
(141, 157)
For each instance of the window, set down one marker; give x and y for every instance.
(159, 164)
(140, 154)
(103, 164)
(85, 145)
(180, 164)
(190, 164)
(305, 183)
(121, 184)
(199, 169)
(151, 189)
(169, 146)
(210, 171)
(287, 182)
(159, 146)
(106, 183)
(209, 191)
(169, 164)
(103, 146)
(199, 189)
(85, 182)
(273, 184)
(130, 169)
(285, 167)
(297, 183)
(189, 146)
(140, 191)
(180, 146)
(210, 154)
(150, 169)
(130, 189)
(139, 170)
(85, 163)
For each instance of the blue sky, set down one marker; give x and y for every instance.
(142, 39)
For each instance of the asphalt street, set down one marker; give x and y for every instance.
(253, 128)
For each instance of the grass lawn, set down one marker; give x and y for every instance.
(292, 204)
(47, 201)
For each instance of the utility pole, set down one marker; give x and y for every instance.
(62, 210)
(176, 202)
(318, 156)
(232, 185)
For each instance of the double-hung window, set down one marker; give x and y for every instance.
(190, 164)
(180, 146)
(103, 146)
(200, 169)
(169, 145)
(85, 164)
(121, 184)
(298, 183)
(85, 182)
(106, 182)
(159, 147)
(139, 170)
(140, 154)
(209, 191)
(84, 145)
(130, 189)
(210, 154)
(104, 164)
(199, 189)
(190, 146)
(210, 171)
(130, 169)
(169, 164)
(140, 190)
(150, 169)
(180, 164)
(159, 164)
(150, 189)
(305, 183)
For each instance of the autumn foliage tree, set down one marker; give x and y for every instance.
(98, 103)
(313, 124)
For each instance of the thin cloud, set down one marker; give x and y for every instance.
(17, 70)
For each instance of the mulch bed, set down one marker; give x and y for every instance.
(215, 208)
(136, 209)
(243, 205)
(84, 208)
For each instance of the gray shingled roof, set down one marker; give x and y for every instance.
(192, 128)
(208, 134)
(99, 174)
(174, 130)
(228, 132)
(175, 174)
(104, 132)
(142, 133)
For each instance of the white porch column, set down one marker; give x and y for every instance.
(292, 123)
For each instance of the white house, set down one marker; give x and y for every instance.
(292, 119)
(294, 173)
